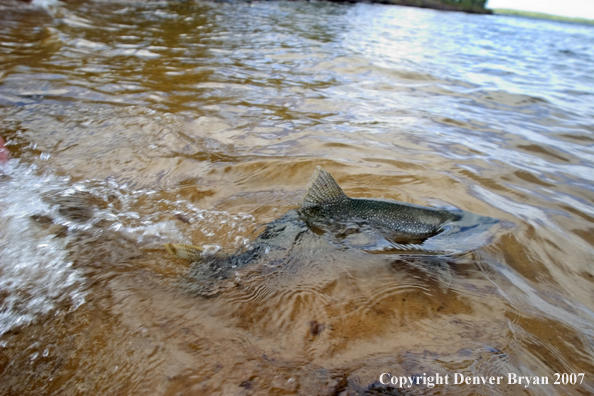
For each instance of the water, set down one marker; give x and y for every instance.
(134, 124)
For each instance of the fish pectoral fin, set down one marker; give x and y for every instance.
(322, 189)
(184, 251)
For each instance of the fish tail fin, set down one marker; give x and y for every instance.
(322, 189)
(186, 252)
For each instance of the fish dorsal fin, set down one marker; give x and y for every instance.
(322, 190)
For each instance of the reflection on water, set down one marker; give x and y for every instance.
(134, 124)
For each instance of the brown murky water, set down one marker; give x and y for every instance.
(133, 124)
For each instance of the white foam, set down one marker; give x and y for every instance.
(35, 273)
(36, 269)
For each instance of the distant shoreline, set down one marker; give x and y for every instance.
(538, 15)
(433, 4)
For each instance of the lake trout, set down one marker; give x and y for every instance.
(327, 207)
(329, 220)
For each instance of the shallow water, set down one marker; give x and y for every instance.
(134, 124)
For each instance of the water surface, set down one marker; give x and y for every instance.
(168, 122)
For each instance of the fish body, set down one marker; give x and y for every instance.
(327, 207)
(330, 221)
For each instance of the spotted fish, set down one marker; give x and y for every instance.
(327, 207)
(329, 219)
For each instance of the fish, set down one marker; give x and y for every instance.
(330, 220)
(326, 206)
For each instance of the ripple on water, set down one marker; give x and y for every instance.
(131, 124)
(37, 276)
(53, 228)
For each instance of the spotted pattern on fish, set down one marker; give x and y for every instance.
(329, 219)
(322, 189)
(325, 205)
